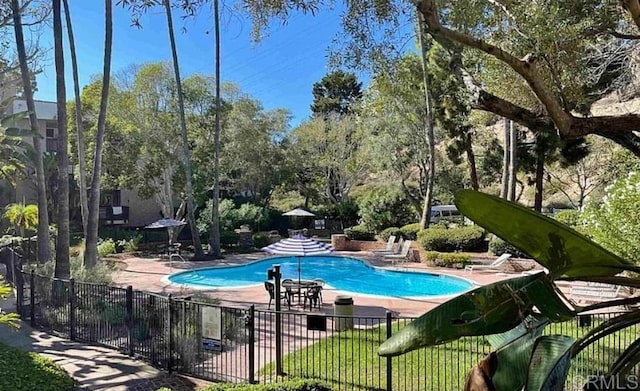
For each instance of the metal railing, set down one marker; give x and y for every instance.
(228, 344)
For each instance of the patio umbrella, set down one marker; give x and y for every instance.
(299, 213)
(298, 246)
(166, 223)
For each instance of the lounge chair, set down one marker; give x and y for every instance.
(402, 256)
(389, 247)
(493, 266)
(594, 291)
(271, 289)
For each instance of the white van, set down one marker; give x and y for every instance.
(441, 211)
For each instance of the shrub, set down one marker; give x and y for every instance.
(498, 246)
(614, 223)
(101, 273)
(452, 260)
(22, 371)
(359, 232)
(410, 231)
(384, 207)
(229, 238)
(287, 385)
(260, 240)
(106, 247)
(434, 239)
(453, 239)
(391, 231)
(570, 217)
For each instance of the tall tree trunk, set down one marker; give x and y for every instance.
(471, 160)
(506, 160)
(91, 248)
(195, 236)
(62, 268)
(43, 217)
(82, 164)
(428, 127)
(513, 161)
(214, 234)
(537, 204)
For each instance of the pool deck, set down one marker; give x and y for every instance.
(148, 274)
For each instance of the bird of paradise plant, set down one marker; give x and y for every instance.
(512, 313)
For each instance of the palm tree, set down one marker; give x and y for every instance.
(91, 248)
(199, 254)
(79, 125)
(43, 218)
(22, 217)
(62, 267)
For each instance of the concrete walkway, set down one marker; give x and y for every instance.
(95, 367)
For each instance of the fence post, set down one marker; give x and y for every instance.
(389, 363)
(252, 343)
(72, 309)
(278, 330)
(129, 318)
(32, 298)
(170, 339)
(19, 277)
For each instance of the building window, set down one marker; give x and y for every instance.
(51, 140)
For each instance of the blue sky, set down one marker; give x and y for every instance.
(279, 71)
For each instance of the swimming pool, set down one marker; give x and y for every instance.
(341, 273)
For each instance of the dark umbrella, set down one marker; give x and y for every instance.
(166, 223)
(298, 246)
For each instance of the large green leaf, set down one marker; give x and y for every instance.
(550, 363)
(489, 309)
(565, 252)
(513, 353)
(627, 361)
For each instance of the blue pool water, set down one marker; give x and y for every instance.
(342, 273)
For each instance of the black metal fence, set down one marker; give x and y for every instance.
(221, 343)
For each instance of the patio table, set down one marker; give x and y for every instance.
(298, 288)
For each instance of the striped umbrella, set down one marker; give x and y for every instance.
(299, 246)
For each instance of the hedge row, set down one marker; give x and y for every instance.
(452, 260)
(359, 232)
(452, 239)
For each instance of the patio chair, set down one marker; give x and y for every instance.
(388, 248)
(495, 266)
(271, 289)
(321, 283)
(313, 295)
(402, 256)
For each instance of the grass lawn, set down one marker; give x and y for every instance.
(22, 371)
(350, 359)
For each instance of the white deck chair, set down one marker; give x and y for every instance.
(402, 256)
(494, 266)
(388, 248)
(594, 292)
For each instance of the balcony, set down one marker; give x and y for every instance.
(113, 215)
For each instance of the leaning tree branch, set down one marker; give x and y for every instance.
(627, 140)
(525, 67)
